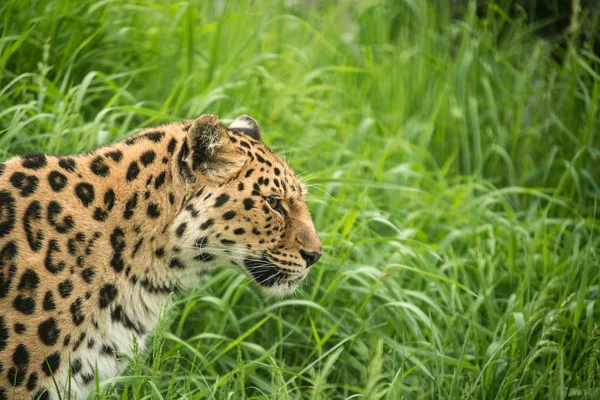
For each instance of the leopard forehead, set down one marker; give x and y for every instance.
(84, 238)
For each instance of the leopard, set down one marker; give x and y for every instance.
(92, 245)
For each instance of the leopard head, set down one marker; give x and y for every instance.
(246, 207)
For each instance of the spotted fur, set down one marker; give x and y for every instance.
(91, 245)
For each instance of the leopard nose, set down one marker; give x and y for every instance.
(310, 257)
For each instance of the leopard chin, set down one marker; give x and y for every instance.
(271, 278)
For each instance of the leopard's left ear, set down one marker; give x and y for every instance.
(211, 152)
(247, 125)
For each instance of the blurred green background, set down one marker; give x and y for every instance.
(452, 151)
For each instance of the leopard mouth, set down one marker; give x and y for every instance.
(268, 275)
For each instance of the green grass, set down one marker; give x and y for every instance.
(453, 161)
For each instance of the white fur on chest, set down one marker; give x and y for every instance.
(101, 352)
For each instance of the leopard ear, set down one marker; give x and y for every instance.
(247, 125)
(211, 150)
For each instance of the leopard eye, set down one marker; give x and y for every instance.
(275, 203)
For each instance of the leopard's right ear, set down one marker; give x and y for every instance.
(211, 152)
(248, 125)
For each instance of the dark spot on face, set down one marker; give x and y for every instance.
(264, 272)
(248, 204)
(176, 263)
(201, 242)
(205, 257)
(239, 231)
(256, 231)
(77, 312)
(49, 332)
(29, 280)
(207, 224)
(34, 161)
(184, 169)
(153, 210)
(57, 181)
(85, 193)
(259, 158)
(65, 288)
(24, 304)
(98, 167)
(130, 206)
(133, 171)
(181, 229)
(115, 155)
(108, 292)
(49, 303)
(222, 199)
(227, 242)
(27, 184)
(63, 226)
(249, 172)
(193, 212)
(277, 171)
(229, 215)
(67, 164)
(160, 252)
(241, 186)
(50, 364)
(171, 198)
